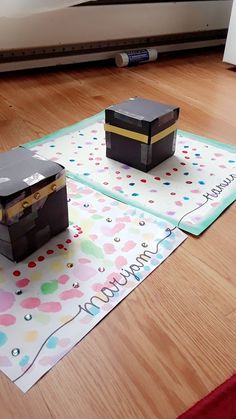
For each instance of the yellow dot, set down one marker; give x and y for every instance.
(31, 335)
(148, 237)
(36, 276)
(57, 266)
(66, 318)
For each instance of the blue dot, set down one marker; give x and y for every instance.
(231, 161)
(201, 182)
(52, 342)
(161, 224)
(167, 244)
(94, 310)
(186, 173)
(24, 361)
(159, 256)
(135, 194)
(86, 174)
(3, 338)
(81, 134)
(186, 146)
(172, 236)
(194, 164)
(52, 145)
(147, 268)
(80, 146)
(72, 160)
(94, 138)
(197, 154)
(154, 262)
(132, 184)
(186, 198)
(138, 276)
(166, 183)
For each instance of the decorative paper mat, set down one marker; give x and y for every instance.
(50, 301)
(190, 189)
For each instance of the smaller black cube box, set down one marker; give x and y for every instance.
(33, 202)
(140, 133)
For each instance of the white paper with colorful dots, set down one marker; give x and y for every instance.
(108, 250)
(190, 189)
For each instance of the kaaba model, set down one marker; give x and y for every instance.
(33, 202)
(140, 133)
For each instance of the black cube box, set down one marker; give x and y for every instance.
(140, 133)
(33, 202)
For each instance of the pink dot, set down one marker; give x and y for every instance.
(7, 320)
(175, 169)
(7, 300)
(31, 264)
(189, 182)
(69, 294)
(60, 246)
(179, 203)
(143, 180)
(41, 258)
(16, 273)
(68, 241)
(22, 283)
(30, 302)
(51, 307)
(157, 178)
(184, 151)
(168, 174)
(50, 252)
(117, 172)
(183, 164)
(64, 342)
(186, 157)
(173, 193)
(63, 279)
(128, 176)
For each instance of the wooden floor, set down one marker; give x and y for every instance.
(174, 338)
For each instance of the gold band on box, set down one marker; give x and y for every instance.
(33, 198)
(140, 137)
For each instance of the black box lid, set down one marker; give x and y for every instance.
(141, 115)
(21, 168)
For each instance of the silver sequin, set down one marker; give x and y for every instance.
(18, 292)
(28, 317)
(116, 239)
(69, 265)
(109, 220)
(86, 205)
(101, 269)
(76, 285)
(144, 244)
(15, 352)
(142, 223)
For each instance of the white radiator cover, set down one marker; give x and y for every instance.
(230, 49)
(104, 23)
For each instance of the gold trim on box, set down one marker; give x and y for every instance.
(140, 137)
(127, 133)
(34, 198)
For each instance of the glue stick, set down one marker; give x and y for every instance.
(124, 59)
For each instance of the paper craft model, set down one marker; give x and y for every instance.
(140, 133)
(33, 202)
